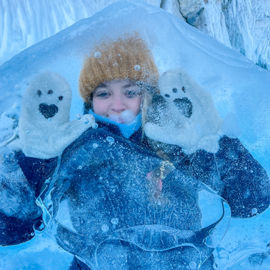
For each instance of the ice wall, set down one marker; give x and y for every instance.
(26, 22)
(240, 24)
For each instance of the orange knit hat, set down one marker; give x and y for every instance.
(125, 58)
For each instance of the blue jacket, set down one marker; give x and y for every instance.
(12, 229)
(114, 207)
(232, 172)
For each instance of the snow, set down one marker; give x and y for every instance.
(24, 23)
(243, 25)
(239, 89)
(40, 253)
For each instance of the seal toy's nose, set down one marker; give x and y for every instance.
(184, 105)
(48, 111)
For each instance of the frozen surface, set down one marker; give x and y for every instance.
(240, 91)
(24, 23)
(242, 25)
(40, 253)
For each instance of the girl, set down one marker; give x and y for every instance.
(117, 82)
(123, 206)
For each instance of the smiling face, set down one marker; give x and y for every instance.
(118, 100)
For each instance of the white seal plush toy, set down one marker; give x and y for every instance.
(44, 126)
(183, 114)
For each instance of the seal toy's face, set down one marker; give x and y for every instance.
(182, 114)
(44, 126)
(47, 99)
(175, 105)
(176, 89)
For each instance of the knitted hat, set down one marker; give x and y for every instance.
(125, 58)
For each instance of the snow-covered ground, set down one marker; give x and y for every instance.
(240, 91)
(40, 253)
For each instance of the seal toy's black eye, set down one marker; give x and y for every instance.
(60, 97)
(167, 95)
(184, 89)
(174, 90)
(39, 93)
(50, 92)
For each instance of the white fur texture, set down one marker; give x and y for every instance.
(199, 131)
(46, 135)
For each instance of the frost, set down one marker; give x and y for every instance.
(114, 221)
(9, 156)
(254, 211)
(86, 121)
(193, 265)
(6, 126)
(104, 227)
(9, 164)
(97, 54)
(110, 140)
(95, 145)
(126, 117)
(137, 67)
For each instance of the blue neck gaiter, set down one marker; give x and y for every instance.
(127, 130)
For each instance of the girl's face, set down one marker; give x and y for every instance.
(118, 100)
